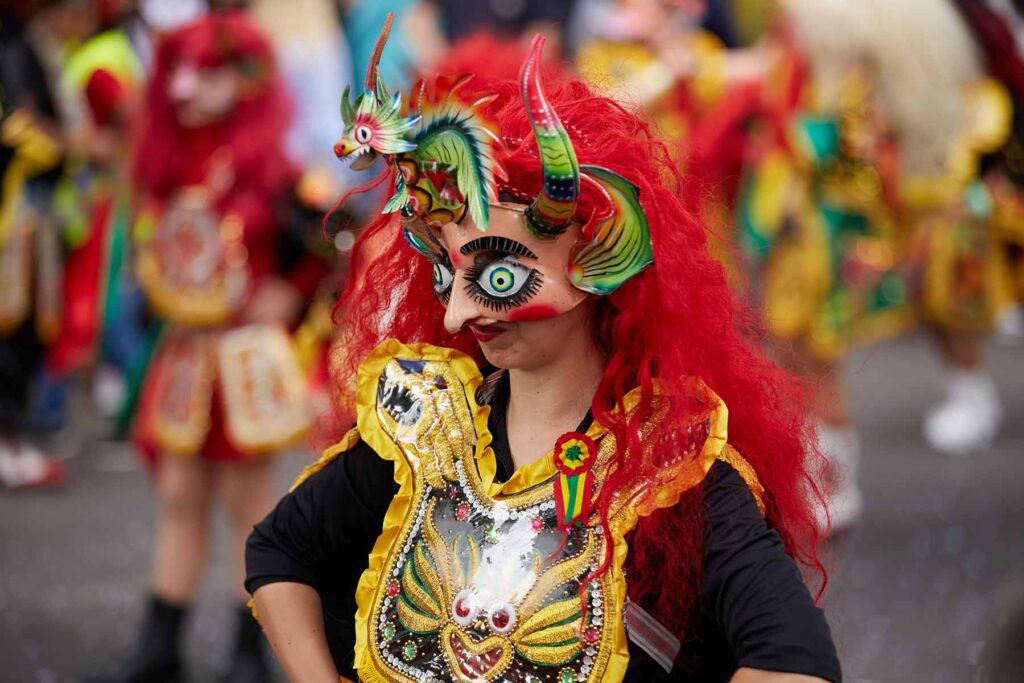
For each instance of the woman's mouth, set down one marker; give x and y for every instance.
(486, 333)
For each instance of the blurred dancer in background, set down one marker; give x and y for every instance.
(997, 30)
(659, 55)
(862, 211)
(460, 18)
(101, 76)
(224, 391)
(30, 144)
(945, 115)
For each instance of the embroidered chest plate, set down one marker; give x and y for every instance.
(478, 584)
(194, 269)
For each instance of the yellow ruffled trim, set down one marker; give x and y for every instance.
(715, 448)
(347, 443)
(374, 435)
(528, 476)
(618, 661)
(251, 604)
(732, 456)
(687, 473)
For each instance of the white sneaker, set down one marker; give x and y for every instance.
(1010, 324)
(23, 466)
(109, 391)
(967, 420)
(841, 448)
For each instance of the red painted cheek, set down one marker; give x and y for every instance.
(530, 313)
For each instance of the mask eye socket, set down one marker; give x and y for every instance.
(503, 279)
(363, 134)
(503, 283)
(443, 278)
(465, 607)
(501, 618)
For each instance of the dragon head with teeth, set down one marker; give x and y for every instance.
(374, 125)
(442, 149)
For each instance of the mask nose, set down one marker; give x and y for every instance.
(461, 308)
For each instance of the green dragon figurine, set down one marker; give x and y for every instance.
(445, 156)
(445, 152)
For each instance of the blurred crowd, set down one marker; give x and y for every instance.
(171, 236)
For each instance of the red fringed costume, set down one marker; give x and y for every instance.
(210, 199)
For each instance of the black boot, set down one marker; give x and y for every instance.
(156, 658)
(248, 662)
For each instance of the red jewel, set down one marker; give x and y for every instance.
(500, 619)
(462, 512)
(394, 588)
(538, 523)
(461, 610)
(591, 635)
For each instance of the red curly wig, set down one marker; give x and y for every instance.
(675, 320)
(168, 155)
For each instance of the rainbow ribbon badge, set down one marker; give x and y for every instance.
(574, 457)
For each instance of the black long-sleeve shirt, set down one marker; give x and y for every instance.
(754, 610)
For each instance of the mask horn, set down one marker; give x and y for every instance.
(373, 68)
(555, 206)
(617, 245)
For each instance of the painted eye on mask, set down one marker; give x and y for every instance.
(363, 134)
(443, 278)
(502, 284)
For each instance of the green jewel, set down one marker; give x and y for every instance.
(388, 631)
(566, 676)
(409, 651)
(493, 535)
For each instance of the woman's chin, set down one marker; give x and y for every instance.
(503, 352)
(495, 356)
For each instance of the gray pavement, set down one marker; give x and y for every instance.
(916, 592)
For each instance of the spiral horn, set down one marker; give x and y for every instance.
(373, 68)
(555, 206)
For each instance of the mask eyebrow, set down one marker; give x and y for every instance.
(495, 243)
